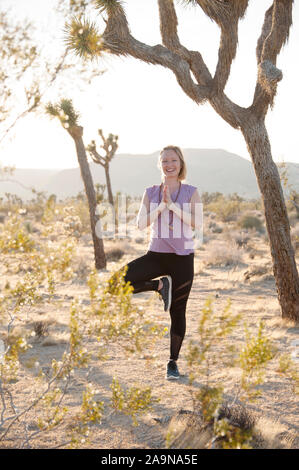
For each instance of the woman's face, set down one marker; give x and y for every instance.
(170, 163)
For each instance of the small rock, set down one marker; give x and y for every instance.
(32, 426)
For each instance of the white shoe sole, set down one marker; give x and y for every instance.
(172, 378)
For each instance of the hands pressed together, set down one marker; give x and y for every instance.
(145, 218)
(166, 196)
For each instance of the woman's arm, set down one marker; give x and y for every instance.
(145, 217)
(192, 218)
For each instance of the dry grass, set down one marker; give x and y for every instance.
(221, 253)
(186, 430)
(114, 254)
(273, 434)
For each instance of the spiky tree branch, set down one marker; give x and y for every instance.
(96, 157)
(226, 15)
(185, 64)
(275, 33)
(170, 39)
(110, 146)
(118, 40)
(230, 111)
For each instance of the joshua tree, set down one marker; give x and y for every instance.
(201, 86)
(69, 120)
(110, 145)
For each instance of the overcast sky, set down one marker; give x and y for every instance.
(144, 105)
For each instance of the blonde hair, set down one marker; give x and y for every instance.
(183, 171)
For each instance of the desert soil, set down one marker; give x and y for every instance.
(255, 298)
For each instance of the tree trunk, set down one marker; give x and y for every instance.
(77, 132)
(109, 189)
(110, 198)
(282, 252)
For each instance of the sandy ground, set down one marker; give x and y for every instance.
(255, 298)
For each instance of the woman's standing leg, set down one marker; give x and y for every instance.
(182, 273)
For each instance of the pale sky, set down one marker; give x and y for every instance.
(144, 105)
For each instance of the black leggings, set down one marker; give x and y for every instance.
(143, 270)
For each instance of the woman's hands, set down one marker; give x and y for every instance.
(166, 195)
(163, 203)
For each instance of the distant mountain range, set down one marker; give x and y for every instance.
(210, 170)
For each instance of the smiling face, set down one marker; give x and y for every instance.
(170, 164)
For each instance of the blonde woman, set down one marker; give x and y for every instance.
(171, 250)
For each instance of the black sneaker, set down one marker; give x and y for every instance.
(172, 371)
(165, 292)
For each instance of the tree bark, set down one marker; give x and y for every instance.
(277, 222)
(109, 188)
(76, 133)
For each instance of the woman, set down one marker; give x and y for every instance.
(171, 251)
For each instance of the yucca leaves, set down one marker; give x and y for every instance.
(188, 2)
(83, 37)
(64, 111)
(52, 110)
(218, 10)
(108, 6)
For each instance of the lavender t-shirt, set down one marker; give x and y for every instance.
(169, 234)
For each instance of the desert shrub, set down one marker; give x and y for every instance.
(295, 237)
(29, 227)
(115, 316)
(73, 226)
(258, 350)
(288, 367)
(14, 237)
(251, 222)
(49, 211)
(100, 192)
(221, 253)
(133, 401)
(41, 328)
(240, 238)
(114, 254)
(55, 260)
(211, 328)
(261, 271)
(81, 213)
(234, 428)
(82, 270)
(207, 197)
(228, 207)
(52, 263)
(292, 203)
(226, 210)
(215, 228)
(25, 292)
